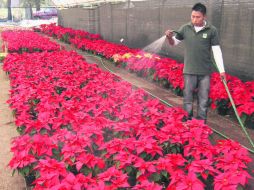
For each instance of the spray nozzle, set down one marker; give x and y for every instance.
(174, 31)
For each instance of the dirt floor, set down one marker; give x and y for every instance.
(7, 132)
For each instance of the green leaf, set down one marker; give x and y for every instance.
(24, 171)
(240, 187)
(244, 118)
(143, 155)
(138, 173)
(43, 131)
(174, 150)
(117, 164)
(73, 159)
(13, 172)
(96, 171)
(33, 132)
(95, 146)
(85, 170)
(129, 169)
(156, 177)
(21, 129)
(164, 173)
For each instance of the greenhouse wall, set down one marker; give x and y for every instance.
(79, 18)
(141, 23)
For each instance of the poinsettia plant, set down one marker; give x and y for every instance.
(165, 71)
(84, 128)
(27, 41)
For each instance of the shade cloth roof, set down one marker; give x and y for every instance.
(64, 3)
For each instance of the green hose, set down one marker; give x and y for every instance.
(236, 113)
(166, 103)
(235, 110)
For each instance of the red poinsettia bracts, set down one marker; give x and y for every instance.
(83, 128)
(23, 41)
(165, 71)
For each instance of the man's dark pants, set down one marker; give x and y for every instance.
(202, 84)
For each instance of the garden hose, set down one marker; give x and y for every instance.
(236, 113)
(168, 104)
(235, 110)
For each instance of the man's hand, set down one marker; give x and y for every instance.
(223, 76)
(169, 34)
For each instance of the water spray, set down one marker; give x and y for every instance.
(155, 46)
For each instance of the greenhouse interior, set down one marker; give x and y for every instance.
(127, 94)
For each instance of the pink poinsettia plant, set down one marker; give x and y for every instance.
(65, 34)
(165, 71)
(84, 128)
(27, 41)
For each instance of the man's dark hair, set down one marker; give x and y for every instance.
(199, 7)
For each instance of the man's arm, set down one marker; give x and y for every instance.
(217, 54)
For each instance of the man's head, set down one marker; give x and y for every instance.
(198, 14)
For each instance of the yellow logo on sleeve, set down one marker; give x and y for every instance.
(205, 35)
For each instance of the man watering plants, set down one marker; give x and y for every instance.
(200, 38)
